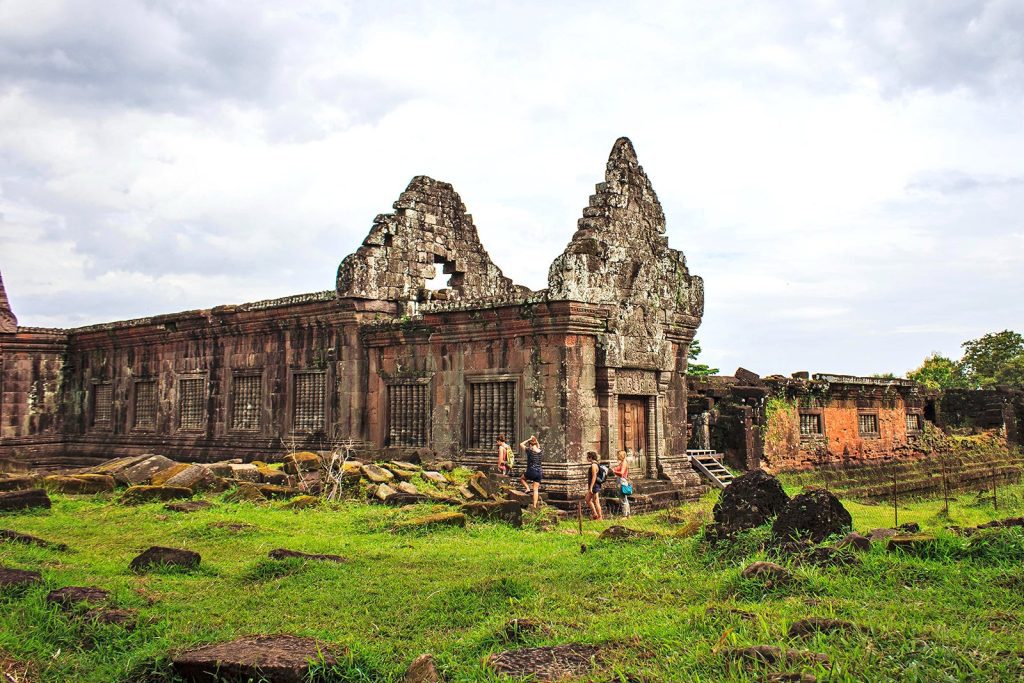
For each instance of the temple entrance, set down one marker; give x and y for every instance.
(633, 433)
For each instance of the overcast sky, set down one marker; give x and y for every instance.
(848, 178)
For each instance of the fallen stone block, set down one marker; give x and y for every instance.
(377, 475)
(1002, 523)
(547, 663)
(400, 499)
(245, 492)
(142, 471)
(406, 487)
(15, 537)
(911, 543)
(24, 500)
(504, 511)
(115, 465)
(137, 495)
(383, 492)
(435, 478)
(302, 502)
(854, 541)
(245, 472)
(269, 475)
(18, 578)
(80, 484)
(276, 658)
(69, 597)
(194, 477)
(466, 492)
(617, 532)
(157, 557)
(274, 492)
(303, 461)
(188, 506)
(814, 515)
(439, 519)
(125, 618)
(17, 483)
(422, 670)
(220, 469)
(399, 473)
(284, 554)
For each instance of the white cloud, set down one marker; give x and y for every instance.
(846, 180)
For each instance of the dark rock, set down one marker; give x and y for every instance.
(881, 534)
(157, 556)
(546, 663)
(18, 483)
(854, 541)
(24, 500)
(18, 578)
(283, 554)
(909, 528)
(188, 506)
(823, 556)
(748, 502)
(483, 486)
(69, 597)
(422, 670)
(814, 515)
(518, 630)
(769, 654)
(15, 537)
(138, 495)
(769, 572)
(304, 461)
(1002, 523)
(808, 627)
(124, 618)
(747, 378)
(621, 533)
(276, 659)
(506, 511)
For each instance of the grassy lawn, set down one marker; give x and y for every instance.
(955, 616)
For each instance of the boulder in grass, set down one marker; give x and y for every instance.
(501, 510)
(813, 515)
(422, 670)
(188, 506)
(24, 500)
(302, 502)
(547, 663)
(854, 541)
(18, 578)
(137, 495)
(69, 597)
(158, 556)
(109, 616)
(16, 537)
(748, 502)
(143, 471)
(80, 484)
(285, 554)
(617, 532)
(377, 475)
(770, 573)
(303, 461)
(277, 658)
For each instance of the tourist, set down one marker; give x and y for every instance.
(506, 458)
(621, 470)
(596, 474)
(533, 474)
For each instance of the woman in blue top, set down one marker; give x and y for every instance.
(533, 473)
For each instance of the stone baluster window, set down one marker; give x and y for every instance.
(192, 403)
(913, 422)
(308, 406)
(246, 402)
(492, 411)
(867, 424)
(102, 405)
(145, 405)
(810, 425)
(408, 414)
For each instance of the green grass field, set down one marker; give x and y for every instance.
(954, 616)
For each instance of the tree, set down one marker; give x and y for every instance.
(939, 372)
(988, 358)
(698, 369)
(1011, 372)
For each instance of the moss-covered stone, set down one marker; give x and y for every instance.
(136, 495)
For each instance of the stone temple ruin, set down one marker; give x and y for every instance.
(387, 366)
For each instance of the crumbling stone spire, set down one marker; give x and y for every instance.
(8, 323)
(429, 228)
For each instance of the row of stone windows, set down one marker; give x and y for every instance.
(308, 404)
(812, 424)
(491, 411)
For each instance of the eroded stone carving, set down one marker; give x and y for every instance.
(8, 323)
(429, 229)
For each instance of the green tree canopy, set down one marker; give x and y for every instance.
(939, 372)
(698, 369)
(993, 356)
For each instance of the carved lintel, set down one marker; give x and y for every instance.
(636, 383)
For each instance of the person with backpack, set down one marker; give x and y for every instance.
(597, 473)
(506, 458)
(533, 474)
(621, 470)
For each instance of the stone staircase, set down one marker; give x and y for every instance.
(649, 495)
(709, 465)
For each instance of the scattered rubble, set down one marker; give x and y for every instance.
(157, 557)
(276, 658)
(23, 500)
(69, 597)
(80, 484)
(18, 578)
(547, 663)
(814, 515)
(748, 502)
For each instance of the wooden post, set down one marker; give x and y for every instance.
(995, 501)
(895, 509)
(579, 516)
(945, 487)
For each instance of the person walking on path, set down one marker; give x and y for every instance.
(533, 474)
(596, 474)
(506, 458)
(621, 470)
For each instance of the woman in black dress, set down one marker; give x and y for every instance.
(533, 473)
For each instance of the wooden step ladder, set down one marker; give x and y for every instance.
(709, 465)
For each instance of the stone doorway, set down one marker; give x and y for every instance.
(633, 432)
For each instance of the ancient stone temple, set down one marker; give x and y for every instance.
(383, 362)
